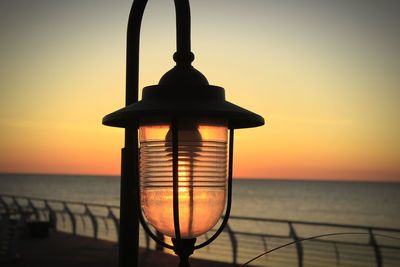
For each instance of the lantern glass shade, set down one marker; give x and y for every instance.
(202, 175)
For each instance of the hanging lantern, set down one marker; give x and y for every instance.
(202, 175)
(184, 163)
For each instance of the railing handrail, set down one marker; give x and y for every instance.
(61, 201)
(364, 227)
(234, 235)
(375, 228)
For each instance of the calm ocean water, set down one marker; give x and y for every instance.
(371, 204)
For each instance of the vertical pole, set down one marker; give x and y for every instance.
(337, 254)
(71, 217)
(129, 210)
(378, 255)
(129, 223)
(299, 247)
(234, 244)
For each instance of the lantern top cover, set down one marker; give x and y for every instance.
(183, 93)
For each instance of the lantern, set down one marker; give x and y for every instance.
(184, 152)
(202, 173)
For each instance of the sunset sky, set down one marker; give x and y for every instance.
(324, 74)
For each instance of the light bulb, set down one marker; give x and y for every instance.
(202, 171)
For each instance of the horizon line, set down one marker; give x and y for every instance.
(308, 179)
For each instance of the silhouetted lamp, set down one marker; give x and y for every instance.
(184, 162)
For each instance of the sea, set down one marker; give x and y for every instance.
(358, 203)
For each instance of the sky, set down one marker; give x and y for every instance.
(325, 75)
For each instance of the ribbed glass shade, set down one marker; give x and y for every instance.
(202, 173)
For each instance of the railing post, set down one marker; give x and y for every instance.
(82, 218)
(15, 202)
(374, 244)
(5, 205)
(112, 216)
(264, 240)
(299, 246)
(52, 215)
(337, 254)
(106, 225)
(232, 237)
(71, 216)
(93, 220)
(35, 210)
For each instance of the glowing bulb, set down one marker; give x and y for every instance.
(202, 171)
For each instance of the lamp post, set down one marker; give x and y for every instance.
(176, 163)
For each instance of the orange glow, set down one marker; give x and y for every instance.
(331, 106)
(201, 177)
(206, 211)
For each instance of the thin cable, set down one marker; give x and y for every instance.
(313, 237)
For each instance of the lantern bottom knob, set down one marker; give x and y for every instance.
(184, 248)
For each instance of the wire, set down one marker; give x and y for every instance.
(313, 237)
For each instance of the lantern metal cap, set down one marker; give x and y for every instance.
(183, 92)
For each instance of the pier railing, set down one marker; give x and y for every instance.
(242, 239)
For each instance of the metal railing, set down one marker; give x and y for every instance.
(242, 239)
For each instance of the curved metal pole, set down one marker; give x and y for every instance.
(129, 224)
(229, 200)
